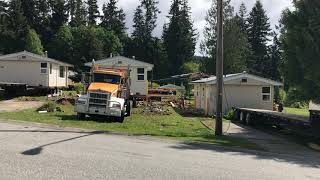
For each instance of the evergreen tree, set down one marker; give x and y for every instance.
(42, 25)
(236, 48)
(3, 15)
(275, 58)
(59, 15)
(208, 46)
(72, 9)
(243, 16)
(33, 42)
(138, 20)
(61, 45)
(145, 18)
(30, 12)
(300, 39)
(113, 18)
(258, 32)
(17, 20)
(80, 14)
(179, 35)
(17, 26)
(93, 12)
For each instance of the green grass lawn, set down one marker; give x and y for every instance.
(172, 126)
(303, 112)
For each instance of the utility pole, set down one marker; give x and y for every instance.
(219, 69)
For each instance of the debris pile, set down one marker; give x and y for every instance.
(153, 108)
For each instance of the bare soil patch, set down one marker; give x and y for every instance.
(14, 105)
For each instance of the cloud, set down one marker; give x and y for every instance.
(199, 9)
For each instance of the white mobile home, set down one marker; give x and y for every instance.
(33, 70)
(138, 71)
(241, 90)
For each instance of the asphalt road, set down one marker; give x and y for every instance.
(37, 152)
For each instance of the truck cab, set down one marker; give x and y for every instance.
(107, 93)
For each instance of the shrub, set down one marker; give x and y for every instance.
(295, 98)
(78, 87)
(299, 105)
(49, 107)
(230, 115)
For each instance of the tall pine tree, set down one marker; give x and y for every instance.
(243, 17)
(301, 46)
(113, 19)
(30, 12)
(93, 12)
(145, 18)
(80, 14)
(258, 33)
(18, 25)
(208, 46)
(59, 15)
(42, 26)
(179, 36)
(3, 15)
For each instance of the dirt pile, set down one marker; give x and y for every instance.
(153, 108)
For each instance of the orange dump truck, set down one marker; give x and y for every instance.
(107, 93)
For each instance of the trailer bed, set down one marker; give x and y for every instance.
(250, 116)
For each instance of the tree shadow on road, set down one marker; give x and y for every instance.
(38, 150)
(304, 161)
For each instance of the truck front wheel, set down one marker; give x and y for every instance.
(81, 116)
(120, 119)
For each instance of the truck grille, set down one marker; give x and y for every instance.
(97, 106)
(98, 100)
(99, 96)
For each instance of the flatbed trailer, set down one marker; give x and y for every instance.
(258, 116)
(13, 88)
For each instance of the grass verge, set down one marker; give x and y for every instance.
(172, 126)
(302, 112)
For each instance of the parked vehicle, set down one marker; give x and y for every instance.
(107, 93)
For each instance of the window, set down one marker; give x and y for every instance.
(62, 71)
(50, 68)
(43, 68)
(106, 78)
(244, 80)
(266, 93)
(141, 74)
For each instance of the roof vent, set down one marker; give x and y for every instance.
(244, 72)
(111, 55)
(46, 54)
(133, 57)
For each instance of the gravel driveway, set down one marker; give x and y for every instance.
(13, 105)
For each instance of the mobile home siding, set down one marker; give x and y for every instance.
(54, 77)
(249, 96)
(27, 72)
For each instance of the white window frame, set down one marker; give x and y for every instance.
(140, 74)
(42, 69)
(50, 68)
(266, 94)
(64, 71)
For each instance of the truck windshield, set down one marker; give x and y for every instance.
(106, 78)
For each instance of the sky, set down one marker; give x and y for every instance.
(199, 9)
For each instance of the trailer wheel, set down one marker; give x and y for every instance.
(248, 120)
(128, 105)
(81, 116)
(242, 117)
